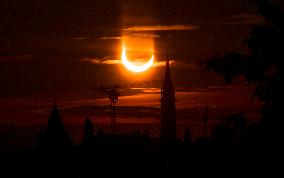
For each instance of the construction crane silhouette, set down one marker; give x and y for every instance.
(113, 95)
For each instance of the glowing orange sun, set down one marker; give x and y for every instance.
(134, 67)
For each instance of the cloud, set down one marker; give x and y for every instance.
(79, 38)
(104, 60)
(110, 38)
(135, 35)
(11, 56)
(107, 60)
(245, 19)
(143, 35)
(162, 28)
(162, 63)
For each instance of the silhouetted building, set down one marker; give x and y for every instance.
(146, 133)
(55, 136)
(187, 136)
(168, 109)
(88, 132)
(205, 120)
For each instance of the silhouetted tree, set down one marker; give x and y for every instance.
(187, 136)
(238, 124)
(55, 135)
(222, 134)
(146, 134)
(88, 132)
(237, 121)
(264, 66)
(100, 137)
(135, 133)
(100, 133)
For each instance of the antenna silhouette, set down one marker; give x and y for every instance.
(113, 95)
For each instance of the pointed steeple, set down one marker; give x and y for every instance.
(168, 109)
(168, 79)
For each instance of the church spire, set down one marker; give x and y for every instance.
(168, 108)
(168, 80)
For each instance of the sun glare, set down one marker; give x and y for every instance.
(134, 67)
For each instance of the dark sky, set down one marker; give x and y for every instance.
(42, 43)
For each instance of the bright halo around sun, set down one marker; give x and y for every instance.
(134, 67)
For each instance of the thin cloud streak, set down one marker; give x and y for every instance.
(118, 61)
(135, 35)
(162, 28)
(246, 19)
(79, 38)
(110, 38)
(101, 61)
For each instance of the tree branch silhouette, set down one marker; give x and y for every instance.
(263, 66)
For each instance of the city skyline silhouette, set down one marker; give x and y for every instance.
(112, 88)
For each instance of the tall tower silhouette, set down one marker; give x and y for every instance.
(168, 109)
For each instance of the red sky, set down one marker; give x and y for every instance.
(43, 43)
(22, 118)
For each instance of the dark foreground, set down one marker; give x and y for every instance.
(234, 148)
(135, 156)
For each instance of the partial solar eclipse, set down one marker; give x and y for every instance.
(134, 67)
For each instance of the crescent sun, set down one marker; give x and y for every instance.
(135, 68)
